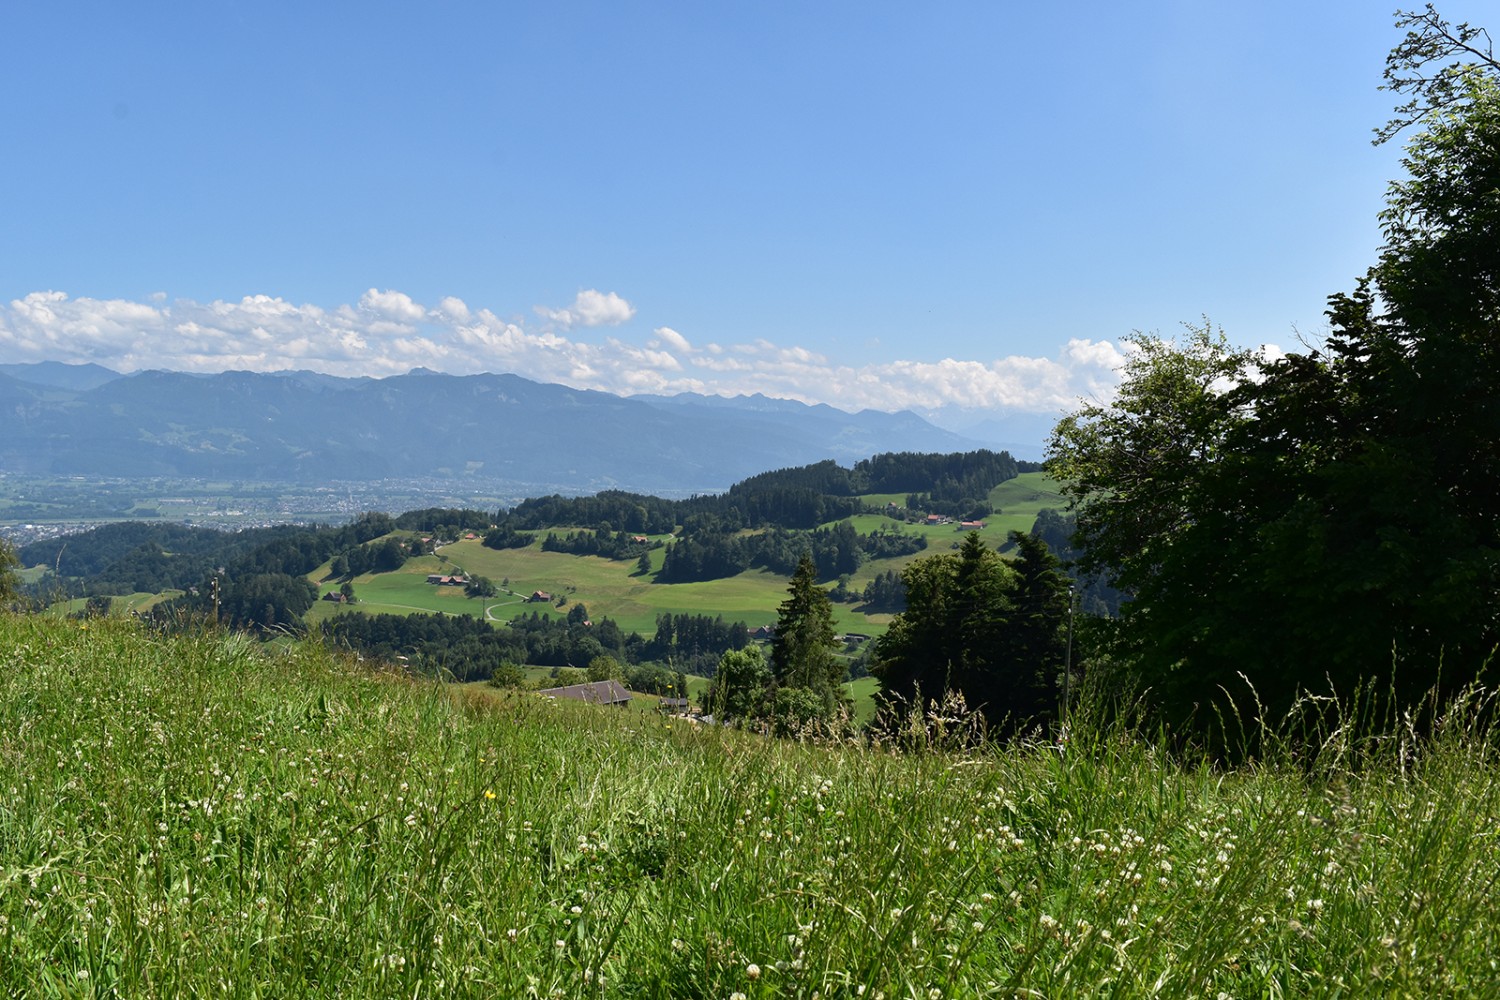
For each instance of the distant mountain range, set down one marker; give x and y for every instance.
(303, 427)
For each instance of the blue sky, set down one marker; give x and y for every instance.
(956, 207)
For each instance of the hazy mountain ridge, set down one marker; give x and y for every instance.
(306, 427)
(57, 375)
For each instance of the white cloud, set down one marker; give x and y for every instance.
(387, 333)
(673, 339)
(453, 309)
(395, 305)
(590, 308)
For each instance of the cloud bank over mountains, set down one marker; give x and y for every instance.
(388, 333)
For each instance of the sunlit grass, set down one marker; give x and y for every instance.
(192, 816)
(612, 589)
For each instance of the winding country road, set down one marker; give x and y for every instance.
(490, 607)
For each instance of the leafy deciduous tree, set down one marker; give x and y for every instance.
(604, 668)
(741, 685)
(9, 582)
(480, 586)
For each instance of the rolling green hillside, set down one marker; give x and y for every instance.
(613, 590)
(616, 590)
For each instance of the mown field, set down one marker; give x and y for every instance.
(190, 816)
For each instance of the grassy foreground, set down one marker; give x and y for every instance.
(193, 817)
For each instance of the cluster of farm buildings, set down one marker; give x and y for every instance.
(438, 579)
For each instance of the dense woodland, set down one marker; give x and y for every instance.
(467, 648)
(836, 551)
(149, 557)
(799, 498)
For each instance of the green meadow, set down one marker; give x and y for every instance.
(196, 815)
(615, 589)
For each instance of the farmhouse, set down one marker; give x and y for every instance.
(539, 597)
(595, 693)
(447, 581)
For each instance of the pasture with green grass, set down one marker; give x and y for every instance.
(617, 590)
(122, 605)
(613, 589)
(195, 815)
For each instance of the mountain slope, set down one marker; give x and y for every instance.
(56, 375)
(304, 427)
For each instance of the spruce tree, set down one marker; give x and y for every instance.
(802, 649)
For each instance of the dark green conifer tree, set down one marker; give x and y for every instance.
(803, 647)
